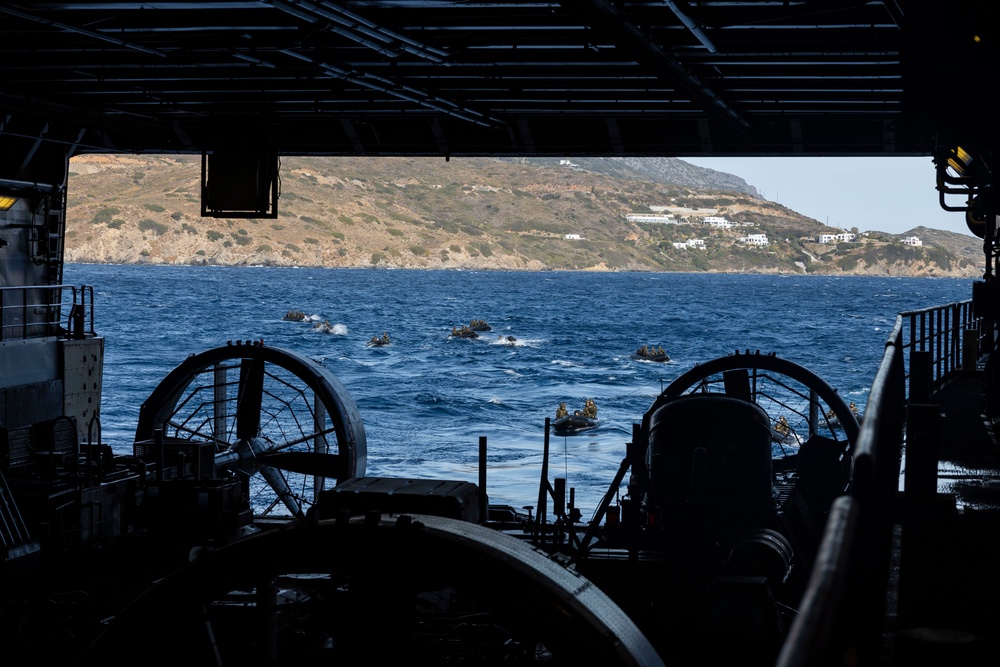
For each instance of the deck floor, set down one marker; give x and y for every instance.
(947, 602)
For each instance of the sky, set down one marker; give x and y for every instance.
(887, 194)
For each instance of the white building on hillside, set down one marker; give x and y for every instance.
(661, 218)
(690, 243)
(912, 240)
(754, 239)
(845, 237)
(717, 221)
(573, 237)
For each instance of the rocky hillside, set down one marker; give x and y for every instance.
(671, 171)
(474, 213)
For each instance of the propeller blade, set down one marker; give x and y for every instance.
(251, 396)
(281, 489)
(305, 463)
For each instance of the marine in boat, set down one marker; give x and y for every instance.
(479, 325)
(783, 434)
(651, 353)
(294, 316)
(835, 422)
(323, 327)
(463, 332)
(509, 341)
(379, 341)
(577, 422)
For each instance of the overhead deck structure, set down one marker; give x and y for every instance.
(458, 77)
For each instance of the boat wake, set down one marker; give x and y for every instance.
(510, 341)
(332, 329)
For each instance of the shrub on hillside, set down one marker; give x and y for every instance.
(148, 225)
(105, 215)
(848, 263)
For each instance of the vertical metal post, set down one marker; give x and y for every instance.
(543, 485)
(956, 338)
(813, 413)
(220, 407)
(559, 497)
(921, 375)
(484, 502)
(320, 444)
(267, 610)
(922, 445)
(158, 443)
(970, 349)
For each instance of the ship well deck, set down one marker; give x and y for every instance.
(945, 600)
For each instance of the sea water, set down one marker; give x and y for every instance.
(427, 399)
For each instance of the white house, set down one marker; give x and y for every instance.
(912, 240)
(573, 237)
(717, 221)
(691, 243)
(844, 237)
(754, 239)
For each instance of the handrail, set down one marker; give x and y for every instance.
(812, 629)
(36, 311)
(939, 332)
(852, 549)
(850, 578)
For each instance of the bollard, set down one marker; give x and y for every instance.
(970, 349)
(922, 443)
(921, 376)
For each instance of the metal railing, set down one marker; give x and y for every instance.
(841, 616)
(934, 339)
(36, 311)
